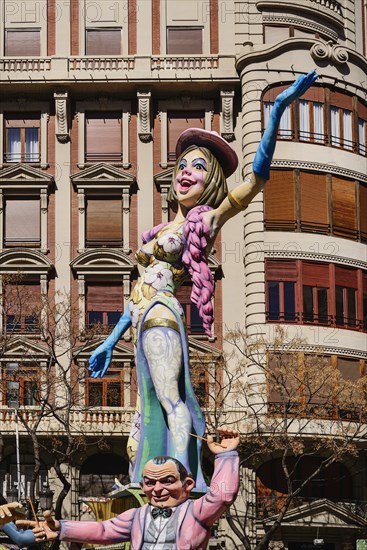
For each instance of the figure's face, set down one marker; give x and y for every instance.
(190, 178)
(162, 485)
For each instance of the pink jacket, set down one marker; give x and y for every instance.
(195, 516)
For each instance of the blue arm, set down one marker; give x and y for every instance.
(101, 358)
(20, 537)
(265, 151)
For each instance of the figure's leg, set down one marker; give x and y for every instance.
(163, 351)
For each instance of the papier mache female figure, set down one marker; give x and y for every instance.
(171, 254)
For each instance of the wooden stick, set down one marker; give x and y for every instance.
(204, 439)
(33, 512)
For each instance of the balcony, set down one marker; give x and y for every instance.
(117, 68)
(301, 318)
(94, 421)
(268, 506)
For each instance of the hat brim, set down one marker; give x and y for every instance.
(220, 148)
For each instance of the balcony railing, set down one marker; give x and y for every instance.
(298, 317)
(25, 64)
(101, 63)
(198, 62)
(271, 505)
(316, 411)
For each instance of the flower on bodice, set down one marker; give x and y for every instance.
(158, 277)
(176, 304)
(170, 243)
(134, 313)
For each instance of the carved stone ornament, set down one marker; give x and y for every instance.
(227, 114)
(61, 111)
(144, 102)
(329, 52)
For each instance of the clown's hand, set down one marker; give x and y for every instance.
(11, 512)
(229, 442)
(43, 530)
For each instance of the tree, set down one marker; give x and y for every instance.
(306, 411)
(52, 408)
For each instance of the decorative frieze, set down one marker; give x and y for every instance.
(144, 118)
(227, 97)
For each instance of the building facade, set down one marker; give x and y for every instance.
(93, 97)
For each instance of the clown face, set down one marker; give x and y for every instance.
(162, 485)
(190, 177)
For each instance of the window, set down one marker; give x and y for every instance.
(22, 138)
(178, 121)
(104, 222)
(103, 136)
(104, 305)
(184, 40)
(22, 42)
(340, 208)
(194, 322)
(345, 117)
(321, 294)
(22, 225)
(106, 392)
(22, 307)
(103, 41)
(21, 385)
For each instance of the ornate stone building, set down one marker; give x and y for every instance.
(93, 96)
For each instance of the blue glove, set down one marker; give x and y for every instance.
(265, 151)
(18, 536)
(101, 358)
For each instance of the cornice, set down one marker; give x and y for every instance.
(326, 350)
(316, 257)
(292, 20)
(320, 167)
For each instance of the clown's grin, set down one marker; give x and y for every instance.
(185, 185)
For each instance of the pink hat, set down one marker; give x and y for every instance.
(220, 148)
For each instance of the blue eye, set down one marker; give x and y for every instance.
(181, 166)
(199, 166)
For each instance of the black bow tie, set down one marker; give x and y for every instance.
(164, 512)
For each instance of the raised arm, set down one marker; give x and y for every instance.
(239, 198)
(101, 358)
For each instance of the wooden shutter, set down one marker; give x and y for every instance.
(184, 40)
(104, 222)
(281, 270)
(344, 208)
(314, 274)
(349, 368)
(279, 201)
(341, 100)
(103, 137)
(103, 42)
(178, 121)
(22, 221)
(314, 203)
(22, 42)
(346, 277)
(104, 297)
(183, 294)
(22, 299)
(363, 211)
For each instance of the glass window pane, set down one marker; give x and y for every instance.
(30, 393)
(196, 323)
(285, 126)
(95, 394)
(114, 394)
(365, 311)
(268, 107)
(304, 120)
(322, 304)
(318, 122)
(362, 124)
(289, 302)
(13, 153)
(113, 317)
(351, 297)
(335, 126)
(347, 129)
(95, 317)
(274, 306)
(31, 145)
(339, 298)
(308, 305)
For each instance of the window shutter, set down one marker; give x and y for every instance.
(279, 200)
(363, 211)
(349, 368)
(104, 222)
(342, 101)
(281, 270)
(103, 42)
(28, 120)
(314, 202)
(178, 121)
(104, 297)
(344, 208)
(184, 40)
(346, 277)
(314, 274)
(103, 137)
(22, 221)
(183, 294)
(22, 42)
(22, 299)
